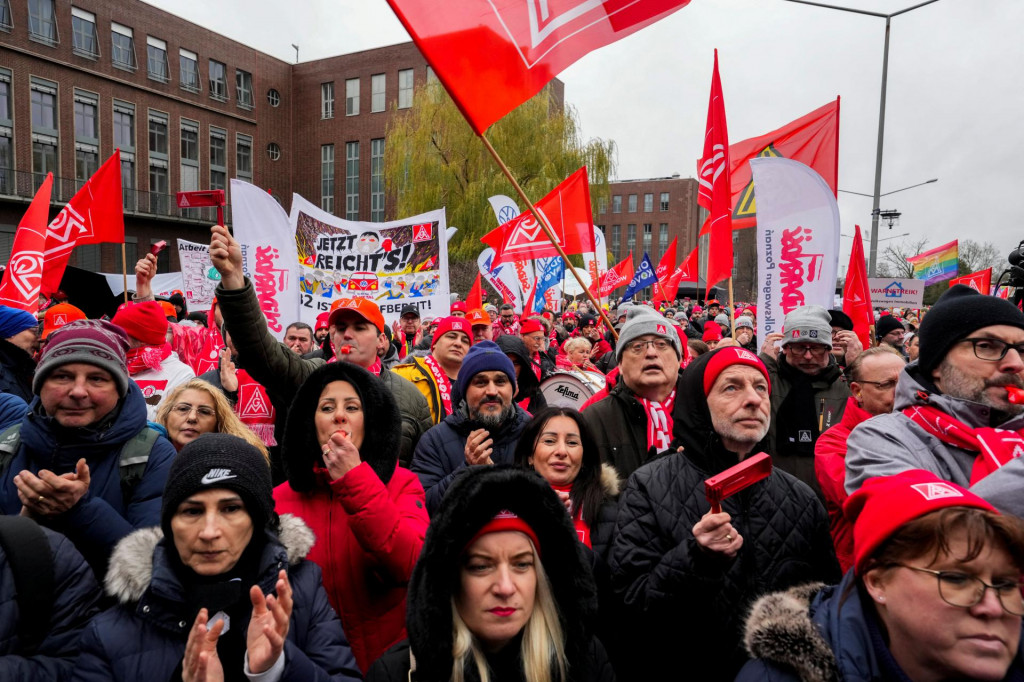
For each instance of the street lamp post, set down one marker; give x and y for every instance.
(881, 113)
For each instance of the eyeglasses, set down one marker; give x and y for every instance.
(964, 591)
(640, 347)
(993, 350)
(880, 385)
(815, 349)
(184, 410)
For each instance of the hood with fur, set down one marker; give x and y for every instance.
(780, 630)
(381, 421)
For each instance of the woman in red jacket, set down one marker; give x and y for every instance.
(369, 515)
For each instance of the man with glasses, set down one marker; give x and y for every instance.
(953, 413)
(633, 423)
(889, 331)
(809, 391)
(873, 377)
(507, 322)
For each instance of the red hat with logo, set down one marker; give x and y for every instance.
(459, 307)
(721, 358)
(321, 321)
(144, 321)
(530, 325)
(712, 332)
(363, 307)
(503, 521)
(477, 317)
(451, 324)
(59, 315)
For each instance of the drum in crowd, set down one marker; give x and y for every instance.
(571, 389)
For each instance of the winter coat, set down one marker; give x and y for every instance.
(369, 524)
(415, 371)
(891, 443)
(814, 633)
(75, 602)
(12, 410)
(527, 384)
(144, 636)
(619, 425)
(281, 371)
(688, 603)
(830, 395)
(476, 498)
(157, 383)
(16, 370)
(830, 468)
(104, 515)
(441, 454)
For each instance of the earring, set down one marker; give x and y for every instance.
(881, 598)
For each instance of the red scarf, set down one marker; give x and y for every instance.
(535, 361)
(995, 447)
(659, 422)
(582, 529)
(444, 384)
(146, 357)
(373, 369)
(254, 408)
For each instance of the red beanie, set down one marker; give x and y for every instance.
(321, 321)
(885, 503)
(143, 321)
(712, 332)
(451, 324)
(506, 520)
(722, 358)
(530, 325)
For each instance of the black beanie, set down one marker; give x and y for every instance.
(959, 312)
(886, 324)
(218, 460)
(840, 319)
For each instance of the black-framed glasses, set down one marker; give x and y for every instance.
(993, 350)
(887, 385)
(639, 347)
(964, 590)
(817, 350)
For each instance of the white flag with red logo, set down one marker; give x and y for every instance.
(21, 281)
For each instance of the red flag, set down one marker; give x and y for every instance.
(474, 300)
(493, 56)
(714, 193)
(856, 294)
(19, 287)
(94, 215)
(567, 209)
(666, 268)
(618, 276)
(980, 281)
(690, 268)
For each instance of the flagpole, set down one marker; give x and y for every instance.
(124, 272)
(547, 231)
(732, 311)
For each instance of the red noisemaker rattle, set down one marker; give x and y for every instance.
(736, 478)
(1015, 395)
(345, 350)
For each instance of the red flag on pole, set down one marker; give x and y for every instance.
(567, 209)
(19, 287)
(980, 281)
(856, 294)
(493, 56)
(474, 300)
(94, 215)
(666, 268)
(618, 276)
(714, 193)
(689, 268)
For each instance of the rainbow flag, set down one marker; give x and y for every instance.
(938, 264)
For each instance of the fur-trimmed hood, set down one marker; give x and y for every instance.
(381, 419)
(132, 561)
(780, 630)
(611, 483)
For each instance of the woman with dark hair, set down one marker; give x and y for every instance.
(369, 515)
(558, 445)
(502, 591)
(934, 594)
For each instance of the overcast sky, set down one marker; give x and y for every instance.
(954, 109)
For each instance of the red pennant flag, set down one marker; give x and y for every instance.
(714, 193)
(621, 274)
(690, 268)
(664, 272)
(980, 281)
(493, 56)
(94, 215)
(856, 294)
(19, 287)
(567, 209)
(474, 300)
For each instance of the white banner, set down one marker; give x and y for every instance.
(199, 277)
(524, 272)
(797, 240)
(596, 264)
(163, 285)
(502, 278)
(396, 264)
(268, 255)
(889, 292)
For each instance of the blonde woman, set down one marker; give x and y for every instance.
(197, 407)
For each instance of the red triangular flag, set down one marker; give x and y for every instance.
(619, 275)
(666, 266)
(856, 294)
(980, 281)
(714, 193)
(690, 267)
(20, 285)
(474, 300)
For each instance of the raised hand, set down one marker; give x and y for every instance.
(268, 626)
(201, 663)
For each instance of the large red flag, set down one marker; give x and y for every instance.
(686, 272)
(475, 297)
(666, 268)
(856, 294)
(20, 285)
(689, 268)
(714, 193)
(94, 215)
(619, 275)
(567, 209)
(980, 281)
(493, 56)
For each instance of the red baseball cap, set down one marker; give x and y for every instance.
(363, 307)
(59, 315)
(477, 317)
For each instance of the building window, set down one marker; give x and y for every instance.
(616, 240)
(617, 204)
(648, 233)
(632, 203)
(83, 33)
(377, 180)
(352, 97)
(123, 51)
(663, 238)
(42, 25)
(131, 254)
(124, 139)
(327, 100)
(218, 158)
(189, 160)
(243, 89)
(377, 82)
(648, 202)
(602, 204)
(273, 151)
(87, 257)
(6, 23)
(631, 237)
(45, 136)
(327, 177)
(352, 180)
(6, 135)
(405, 89)
(664, 201)
(218, 81)
(189, 77)
(87, 152)
(158, 133)
(273, 97)
(156, 59)
(128, 182)
(243, 157)
(159, 199)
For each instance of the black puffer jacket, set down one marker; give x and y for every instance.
(16, 370)
(689, 604)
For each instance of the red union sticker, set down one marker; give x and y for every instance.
(423, 233)
(662, 329)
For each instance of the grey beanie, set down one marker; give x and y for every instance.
(641, 321)
(723, 320)
(808, 324)
(743, 321)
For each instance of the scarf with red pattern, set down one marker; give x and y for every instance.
(659, 422)
(146, 357)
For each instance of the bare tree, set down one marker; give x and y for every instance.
(894, 258)
(975, 256)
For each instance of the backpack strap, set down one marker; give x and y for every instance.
(133, 460)
(28, 554)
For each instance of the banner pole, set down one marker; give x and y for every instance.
(547, 231)
(732, 311)
(124, 272)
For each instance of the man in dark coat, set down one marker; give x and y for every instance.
(19, 340)
(688, 575)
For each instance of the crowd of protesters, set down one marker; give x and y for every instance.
(186, 497)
